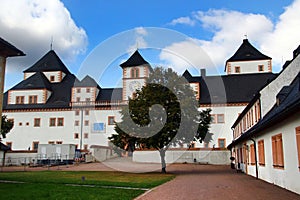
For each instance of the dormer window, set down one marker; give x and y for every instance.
(237, 69)
(260, 68)
(52, 78)
(32, 99)
(19, 99)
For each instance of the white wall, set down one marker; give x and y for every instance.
(247, 67)
(223, 130)
(181, 156)
(289, 176)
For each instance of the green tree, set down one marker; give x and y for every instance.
(6, 126)
(163, 113)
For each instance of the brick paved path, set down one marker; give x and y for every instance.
(215, 183)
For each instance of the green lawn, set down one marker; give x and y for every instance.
(77, 185)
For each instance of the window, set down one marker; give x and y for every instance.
(27, 123)
(60, 121)
(217, 118)
(111, 120)
(260, 68)
(37, 122)
(52, 78)
(9, 144)
(252, 154)
(298, 144)
(52, 122)
(87, 112)
(32, 99)
(206, 145)
(76, 135)
(59, 142)
(86, 122)
(98, 127)
(86, 135)
(76, 112)
(78, 90)
(88, 90)
(220, 118)
(135, 72)
(20, 123)
(88, 99)
(237, 69)
(277, 151)
(261, 152)
(76, 123)
(221, 143)
(19, 99)
(85, 147)
(35, 145)
(51, 142)
(78, 99)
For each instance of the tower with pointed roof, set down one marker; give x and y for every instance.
(247, 59)
(135, 71)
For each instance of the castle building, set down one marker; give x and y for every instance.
(266, 135)
(52, 106)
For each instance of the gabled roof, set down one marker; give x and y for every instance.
(134, 60)
(49, 62)
(247, 52)
(287, 107)
(230, 88)
(8, 50)
(36, 81)
(110, 94)
(87, 81)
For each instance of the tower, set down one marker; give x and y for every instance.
(135, 72)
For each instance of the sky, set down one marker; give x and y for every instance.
(93, 37)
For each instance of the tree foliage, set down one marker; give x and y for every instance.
(6, 126)
(163, 113)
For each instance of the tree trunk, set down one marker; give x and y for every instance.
(162, 153)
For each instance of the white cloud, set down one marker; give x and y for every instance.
(30, 25)
(139, 41)
(281, 42)
(185, 55)
(276, 39)
(183, 20)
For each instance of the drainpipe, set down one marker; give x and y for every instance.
(256, 166)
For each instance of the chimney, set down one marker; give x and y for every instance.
(203, 72)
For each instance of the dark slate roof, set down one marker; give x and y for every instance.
(110, 94)
(8, 50)
(49, 62)
(134, 60)
(36, 81)
(287, 107)
(247, 52)
(87, 81)
(60, 96)
(240, 88)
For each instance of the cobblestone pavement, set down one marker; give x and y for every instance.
(193, 181)
(214, 183)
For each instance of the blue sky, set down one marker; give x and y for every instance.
(85, 33)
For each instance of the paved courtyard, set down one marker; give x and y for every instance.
(193, 181)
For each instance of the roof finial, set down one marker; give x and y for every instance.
(246, 36)
(51, 44)
(137, 45)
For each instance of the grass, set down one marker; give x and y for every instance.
(77, 185)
